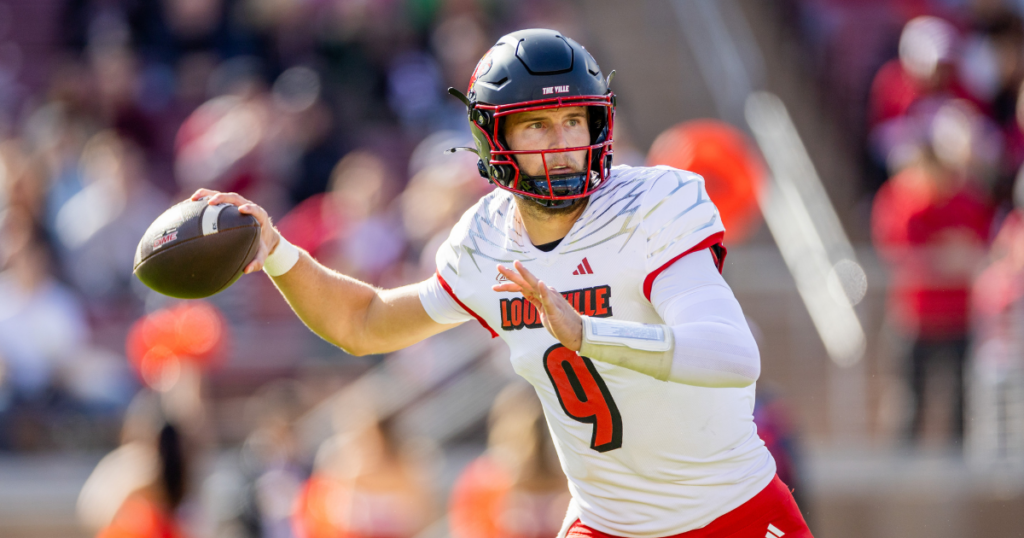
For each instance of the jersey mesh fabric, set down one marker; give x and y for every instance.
(652, 458)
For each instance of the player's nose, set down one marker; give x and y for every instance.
(559, 137)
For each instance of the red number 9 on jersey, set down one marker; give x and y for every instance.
(584, 396)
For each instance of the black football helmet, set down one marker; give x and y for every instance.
(536, 70)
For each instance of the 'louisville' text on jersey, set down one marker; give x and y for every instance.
(517, 313)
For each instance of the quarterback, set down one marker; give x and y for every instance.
(605, 283)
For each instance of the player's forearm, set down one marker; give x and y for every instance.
(705, 340)
(353, 315)
(701, 352)
(714, 354)
(332, 305)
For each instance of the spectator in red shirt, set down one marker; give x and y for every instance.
(996, 433)
(926, 67)
(930, 225)
(908, 90)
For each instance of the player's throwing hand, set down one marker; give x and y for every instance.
(269, 236)
(557, 315)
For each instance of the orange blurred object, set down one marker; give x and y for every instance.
(336, 508)
(193, 332)
(732, 169)
(312, 517)
(478, 500)
(140, 517)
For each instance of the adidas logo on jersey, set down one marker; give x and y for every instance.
(583, 268)
(773, 532)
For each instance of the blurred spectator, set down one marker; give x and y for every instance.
(115, 71)
(305, 137)
(365, 485)
(996, 396)
(136, 490)
(271, 461)
(42, 328)
(516, 489)
(414, 91)
(98, 228)
(22, 187)
(778, 431)
(930, 224)
(925, 67)
(1013, 157)
(352, 228)
(442, 187)
(992, 60)
(907, 91)
(459, 40)
(217, 146)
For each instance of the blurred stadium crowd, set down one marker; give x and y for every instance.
(333, 115)
(931, 92)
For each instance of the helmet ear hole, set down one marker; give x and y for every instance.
(598, 124)
(500, 174)
(482, 118)
(482, 168)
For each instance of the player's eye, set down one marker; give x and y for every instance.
(535, 125)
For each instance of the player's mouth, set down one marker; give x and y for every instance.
(561, 169)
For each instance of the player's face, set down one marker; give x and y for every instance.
(549, 129)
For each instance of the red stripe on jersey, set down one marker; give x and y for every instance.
(587, 265)
(464, 307)
(774, 506)
(712, 239)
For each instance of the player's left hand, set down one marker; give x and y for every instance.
(557, 315)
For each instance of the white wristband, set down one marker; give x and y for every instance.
(284, 257)
(641, 347)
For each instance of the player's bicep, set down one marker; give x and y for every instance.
(714, 346)
(681, 293)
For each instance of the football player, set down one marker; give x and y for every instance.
(608, 293)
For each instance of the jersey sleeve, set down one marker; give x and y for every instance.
(439, 304)
(450, 261)
(713, 343)
(677, 218)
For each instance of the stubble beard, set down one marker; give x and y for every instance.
(536, 211)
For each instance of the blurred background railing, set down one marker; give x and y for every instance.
(881, 142)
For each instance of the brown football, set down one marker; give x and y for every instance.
(194, 250)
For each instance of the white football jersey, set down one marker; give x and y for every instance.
(644, 458)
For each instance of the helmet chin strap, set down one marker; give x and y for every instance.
(549, 204)
(538, 185)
